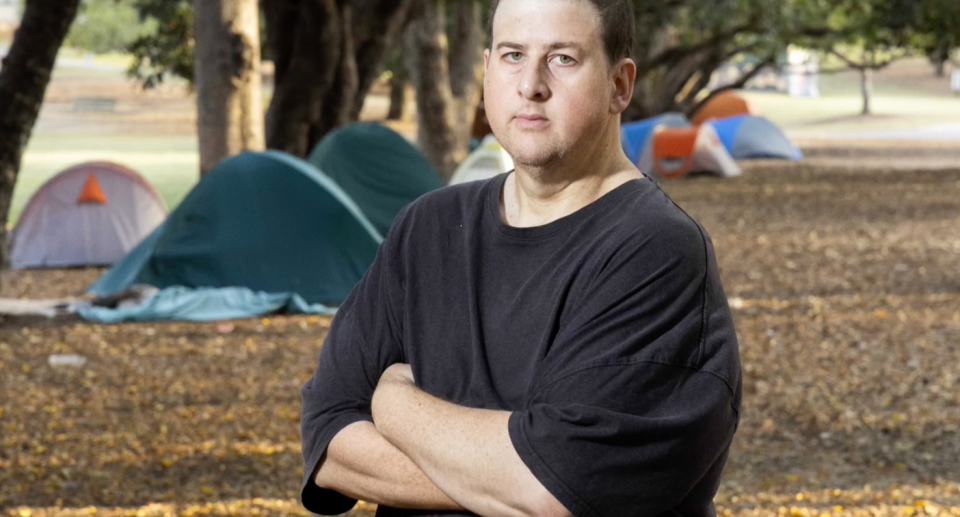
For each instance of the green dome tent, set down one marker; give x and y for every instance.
(377, 168)
(264, 221)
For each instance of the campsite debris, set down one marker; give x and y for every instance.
(66, 360)
(45, 308)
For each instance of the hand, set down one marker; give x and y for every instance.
(389, 388)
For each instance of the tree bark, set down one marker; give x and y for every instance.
(399, 83)
(227, 71)
(327, 55)
(306, 67)
(866, 89)
(426, 43)
(466, 68)
(24, 78)
(446, 99)
(379, 25)
(337, 107)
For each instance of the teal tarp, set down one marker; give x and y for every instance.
(377, 168)
(205, 304)
(264, 221)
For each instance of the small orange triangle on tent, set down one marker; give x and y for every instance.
(91, 193)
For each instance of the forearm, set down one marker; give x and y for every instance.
(362, 464)
(466, 452)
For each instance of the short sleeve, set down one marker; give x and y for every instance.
(363, 341)
(627, 439)
(631, 414)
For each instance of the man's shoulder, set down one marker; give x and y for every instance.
(648, 220)
(451, 201)
(468, 193)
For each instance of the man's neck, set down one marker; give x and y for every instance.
(534, 198)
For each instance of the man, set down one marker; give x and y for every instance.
(554, 341)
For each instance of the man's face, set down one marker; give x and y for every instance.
(548, 84)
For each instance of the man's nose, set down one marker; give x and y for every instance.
(533, 82)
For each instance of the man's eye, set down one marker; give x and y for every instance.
(565, 60)
(514, 56)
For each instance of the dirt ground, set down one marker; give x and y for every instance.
(842, 274)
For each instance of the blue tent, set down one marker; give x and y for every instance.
(635, 136)
(747, 136)
(267, 222)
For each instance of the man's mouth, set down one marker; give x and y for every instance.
(532, 121)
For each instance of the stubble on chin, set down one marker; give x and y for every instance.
(540, 160)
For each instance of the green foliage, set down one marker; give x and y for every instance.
(884, 30)
(939, 28)
(105, 26)
(680, 43)
(727, 28)
(873, 24)
(168, 48)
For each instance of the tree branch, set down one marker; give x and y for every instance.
(674, 54)
(740, 83)
(849, 62)
(868, 66)
(706, 71)
(380, 23)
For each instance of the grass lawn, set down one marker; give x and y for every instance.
(841, 112)
(906, 96)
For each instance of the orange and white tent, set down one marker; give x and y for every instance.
(723, 105)
(89, 214)
(677, 152)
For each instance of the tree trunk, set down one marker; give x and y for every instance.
(466, 68)
(426, 42)
(308, 46)
(337, 107)
(398, 94)
(446, 99)
(227, 71)
(939, 57)
(327, 55)
(379, 25)
(24, 78)
(866, 89)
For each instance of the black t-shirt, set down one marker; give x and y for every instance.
(606, 333)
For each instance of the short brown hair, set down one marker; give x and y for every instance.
(617, 24)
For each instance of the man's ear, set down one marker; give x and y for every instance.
(624, 77)
(486, 59)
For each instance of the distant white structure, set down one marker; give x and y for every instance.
(802, 73)
(9, 11)
(9, 16)
(955, 82)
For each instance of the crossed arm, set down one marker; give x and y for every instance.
(425, 453)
